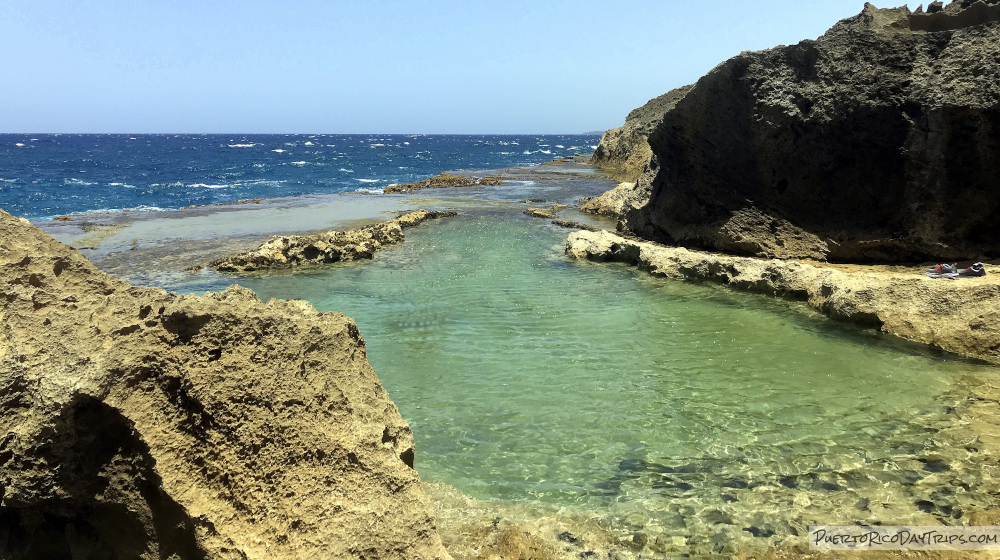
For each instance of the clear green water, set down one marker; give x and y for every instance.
(527, 376)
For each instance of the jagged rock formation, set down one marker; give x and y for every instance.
(880, 141)
(136, 423)
(444, 181)
(626, 149)
(961, 316)
(326, 247)
(612, 203)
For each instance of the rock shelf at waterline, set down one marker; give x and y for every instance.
(326, 247)
(961, 316)
(445, 181)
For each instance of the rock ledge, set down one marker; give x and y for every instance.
(136, 423)
(961, 316)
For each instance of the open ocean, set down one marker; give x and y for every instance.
(47, 175)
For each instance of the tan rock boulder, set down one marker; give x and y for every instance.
(136, 423)
(611, 203)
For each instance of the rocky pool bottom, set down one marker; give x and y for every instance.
(678, 417)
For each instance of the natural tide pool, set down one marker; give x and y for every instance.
(669, 407)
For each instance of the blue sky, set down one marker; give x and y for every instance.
(370, 66)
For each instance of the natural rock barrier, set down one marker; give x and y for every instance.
(551, 213)
(326, 247)
(961, 316)
(877, 142)
(136, 423)
(444, 181)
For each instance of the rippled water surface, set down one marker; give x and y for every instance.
(687, 407)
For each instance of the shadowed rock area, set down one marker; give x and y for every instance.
(879, 141)
(136, 423)
(327, 247)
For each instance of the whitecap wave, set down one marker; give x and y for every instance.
(368, 180)
(308, 144)
(278, 151)
(9, 180)
(204, 186)
(19, 144)
(242, 145)
(372, 191)
(346, 170)
(75, 181)
(376, 145)
(300, 163)
(560, 146)
(124, 185)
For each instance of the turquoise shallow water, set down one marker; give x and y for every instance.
(694, 409)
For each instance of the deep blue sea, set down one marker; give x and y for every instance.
(46, 175)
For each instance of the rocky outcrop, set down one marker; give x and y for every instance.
(326, 247)
(626, 149)
(961, 316)
(551, 212)
(880, 141)
(444, 181)
(612, 203)
(136, 423)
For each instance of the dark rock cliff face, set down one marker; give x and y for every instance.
(877, 142)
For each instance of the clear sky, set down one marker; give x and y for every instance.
(370, 66)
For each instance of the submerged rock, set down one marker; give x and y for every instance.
(326, 247)
(136, 423)
(879, 141)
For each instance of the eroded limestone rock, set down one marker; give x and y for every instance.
(136, 423)
(326, 247)
(961, 316)
(879, 141)
(444, 181)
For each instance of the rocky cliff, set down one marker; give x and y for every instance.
(879, 141)
(136, 423)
